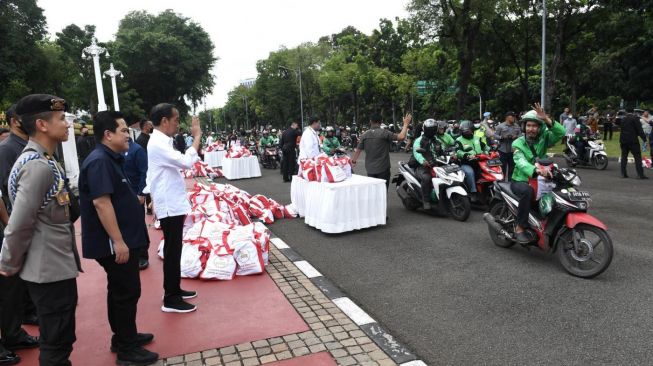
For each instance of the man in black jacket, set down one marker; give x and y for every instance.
(631, 128)
(288, 144)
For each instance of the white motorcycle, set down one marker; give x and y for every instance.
(448, 196)
(595, 155)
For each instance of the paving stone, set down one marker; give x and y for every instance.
(301, 351)
(263, 351)
(354, 350)
(193, 357)
(296, 344)
(312, 341)
(248, 354)
(279, 347)
(234, 363)
(195, 363)
(342, 335)
(227, 350)
(176, 359)
(337, 353)
(337, 329)
(230, 358)
(363, 340)
(317, 325)
(333, 345)
(357, 333)
(346, 361)
(244, 347)
(386, 362)
(348, 342)
(377, 355)
(322, 332)
(317, 348)
(361, 358)
(251, 362)
(290, 337)
(306, 335)
(369, 347)
(284, 355)
(268, 359)
(262, 343)
(331, 323)
(210, 353)
(213, 361)
(327, 338)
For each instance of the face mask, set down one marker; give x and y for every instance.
(477, 125)
(468, 134)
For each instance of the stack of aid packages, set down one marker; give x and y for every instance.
(220, 239)
(201, 169)
(216, 146)
(235, 152)
(323, 168)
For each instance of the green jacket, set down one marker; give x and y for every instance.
(525, 155)
(266, 141)
(330, 144)
(418, 144)
(446, 140)
(466, 147)
(480, 133)
(583, 131)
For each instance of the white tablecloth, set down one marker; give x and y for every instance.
(240, 168)
(356, 203)
(214, 158)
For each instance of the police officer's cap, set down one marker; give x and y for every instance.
(39, 103)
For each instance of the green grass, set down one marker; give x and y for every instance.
(611, 147)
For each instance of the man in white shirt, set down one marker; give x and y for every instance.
(209, 139)
(309, 144)
(170, 201)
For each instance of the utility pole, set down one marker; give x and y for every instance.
(93, 52)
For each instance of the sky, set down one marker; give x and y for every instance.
(242, 31)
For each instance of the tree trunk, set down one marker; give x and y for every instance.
(558, 56)
(466, 54)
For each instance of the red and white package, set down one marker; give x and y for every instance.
(220, 265)
(191, 263)
(236, 152)
(289, 211)
(249, 258)
(332, 173)
(345, 163)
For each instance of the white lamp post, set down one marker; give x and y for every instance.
(113, 73)
(93, 52)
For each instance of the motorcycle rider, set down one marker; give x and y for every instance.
(266, 140)
(454, 130)
(428, 142)
(581, 137)
(468, 145)
(445, 140)
(330, 143)
(540, 133)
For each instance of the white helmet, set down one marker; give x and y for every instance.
(329, 129)
(384, 126)
(274, 130)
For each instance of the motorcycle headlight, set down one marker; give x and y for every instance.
(576, 181)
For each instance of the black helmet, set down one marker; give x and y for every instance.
(430, 128)
(466, 129)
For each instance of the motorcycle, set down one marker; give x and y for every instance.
(581, 241)
(490, 172)
(398, 146)
(270, 158)
(251, 146)
(595, 155)
(448, 195)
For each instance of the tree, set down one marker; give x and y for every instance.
(168, 58)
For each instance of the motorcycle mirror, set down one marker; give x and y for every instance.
(545, 161)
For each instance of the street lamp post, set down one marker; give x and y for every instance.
(113, 73)
(543, 85)
(93, 52)
(301, 98)
(246, 108)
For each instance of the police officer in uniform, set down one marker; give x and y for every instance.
(39, 243)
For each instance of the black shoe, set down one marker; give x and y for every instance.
(137, 356)
(523, 237)
(624, 176)
(143, 263)
(9, 358)
(26, 341)
(188, 294)
(141, 340)
(642, 177)
(179, 306)
(30, 319)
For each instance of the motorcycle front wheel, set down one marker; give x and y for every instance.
(601, 162)
(459, 207)
(501, 213)
(592, 255)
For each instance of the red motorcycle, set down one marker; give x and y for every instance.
(489, 166)
(558, 221)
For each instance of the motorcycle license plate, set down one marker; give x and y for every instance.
(451, 168)
(494, 162)
(579, 195)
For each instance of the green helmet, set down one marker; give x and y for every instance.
(530, 116)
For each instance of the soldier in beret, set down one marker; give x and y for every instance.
(39, 242)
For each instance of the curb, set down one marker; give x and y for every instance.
(379, 335)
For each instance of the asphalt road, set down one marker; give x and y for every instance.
(444, 290)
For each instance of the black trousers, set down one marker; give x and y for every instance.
(288, 164)
(123, 292)
(636, 150)
(383, 175)
(507, 164)
(12, 299)
(525, 193)
(424, 177)
(55, 305)
(142, 252)
(172, 228)
(607, 129)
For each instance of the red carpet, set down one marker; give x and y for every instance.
(316, 359)
(229, 312)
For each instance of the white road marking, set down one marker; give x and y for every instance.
(308, 269)
(352, 310)
(279, 243)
